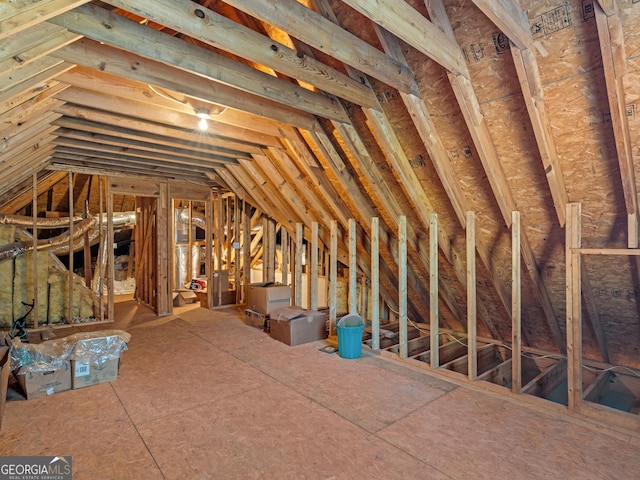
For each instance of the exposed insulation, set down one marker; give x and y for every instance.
(57, 312)
(23, 285)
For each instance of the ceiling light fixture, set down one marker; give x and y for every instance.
(203, 114)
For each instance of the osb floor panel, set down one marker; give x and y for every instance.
(201, 395)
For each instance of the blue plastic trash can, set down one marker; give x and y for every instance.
(350, 329)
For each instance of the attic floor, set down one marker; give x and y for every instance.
(201, 395)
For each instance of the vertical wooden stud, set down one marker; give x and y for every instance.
(284, 248)
(574, 307)
(434, 330)
(402, 284)
(298, 275)
(270, 253)
(246, 246)
(208, 245)
(632, 227)
(219, 240)
(353, 294)
(313, 271)
(375, 283)
(164, 238)
(99, 282)
(333, 277)
(71, 213)
(110, 252)
(236, 248)
(34, 256)
(471, 297)
(516, 301)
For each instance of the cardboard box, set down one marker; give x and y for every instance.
(182, 297)
(295, 326)
(256, 319)
(268, 297)
(40, 384)
(85, 373)
(5, 368)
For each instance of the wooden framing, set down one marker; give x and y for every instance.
(516, 305)
(353, 303)
(402, 284)
(297, 278)
(333, 277)
(375, 283)
(471, 296)
(433, 291)
(313, 270)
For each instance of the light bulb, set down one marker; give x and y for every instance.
(203, 124)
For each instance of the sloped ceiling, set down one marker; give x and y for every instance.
(326, 110)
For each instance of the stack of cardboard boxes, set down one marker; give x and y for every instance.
(269, 308)
(72, 362)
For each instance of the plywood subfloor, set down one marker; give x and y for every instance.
(203, 396)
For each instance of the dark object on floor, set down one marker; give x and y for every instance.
(328, 349)
(19, 325)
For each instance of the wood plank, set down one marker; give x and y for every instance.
(533, 94)
(509, 17)
(516, 301)
(614, 59)
(402, 284)
(221, 32)
(375, 283)
(16, 17)
(333, 277)
(353, 304)
(434, 316)
(101, 57)
(411, 26)
(479, 131)
(90, 87)
(37, 53)
(318, 32)
(574, 306)
(89, 21)
(313, 271)
(15, 44)
(471, 297)
(298, 267)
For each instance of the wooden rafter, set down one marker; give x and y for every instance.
(90, 21)
(216, 30)
(94, 55)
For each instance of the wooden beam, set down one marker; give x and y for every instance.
(313, 270)
(353, 304)
(509, 17)
(516, 302)
(483, 142)
(333, 277)
(26, 56)
(434, 333)
(614, 62)
(411, 26)
(220, 32)
(298, 267)
(402, 284)
(91, 54)
(104, 26)
(16, 17)
(375, 283)
(471, 297)
(533, 95)
(316, 31)
(574, 306)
